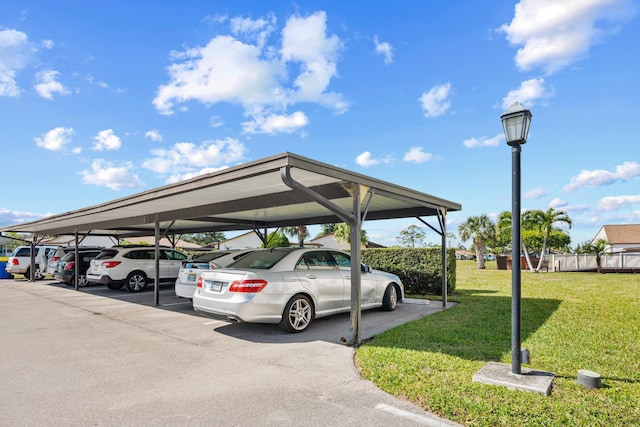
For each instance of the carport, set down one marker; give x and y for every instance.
(278, 191)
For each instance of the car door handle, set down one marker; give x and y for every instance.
(312, 276)
(347, 277)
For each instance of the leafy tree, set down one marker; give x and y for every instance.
(480, 229)
(277, 239)
(300, 231)
(342, 233)
(411, 236)
(204, 239)
(544, 221)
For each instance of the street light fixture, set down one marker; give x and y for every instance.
(515, 121)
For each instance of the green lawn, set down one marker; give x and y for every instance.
(570, 321)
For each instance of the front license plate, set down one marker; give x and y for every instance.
(191, 277)
(216, 286)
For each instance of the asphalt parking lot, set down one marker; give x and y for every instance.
(103, 357)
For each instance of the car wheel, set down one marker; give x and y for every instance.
(390, 298)
(136, 281)
(115, 286)
(82, 281)
(27, 274)
(297, 314)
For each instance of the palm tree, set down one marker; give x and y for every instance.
(545, 222)
(342, 233)
(480, 229)
(504, 224)
(300, 231)
(598, 248)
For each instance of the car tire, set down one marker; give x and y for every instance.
(136, 281)
(390, 298)
(82, 281)
(70, 283)
(297, 314)
(27, 274)
(115, 286)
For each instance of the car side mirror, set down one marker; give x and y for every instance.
(365, 268)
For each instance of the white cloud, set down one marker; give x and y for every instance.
(92, 81)
(256, 76)
(106, 140)
(8, 217)
(554, 34)
(483, 141)
(184, 157)
(599, 177)
(436, 102)
(365, 160)
(384, 49)
(105, 174)
(305, 41)
(528, 92)
(415, 154)
(615, 202)
(557, 203)
(535, 193)
(154, 135)
(15, 53)
(46, 84)
(225, 70)
(48, 44)
(55, 139)
(276, 123)
(254, 29)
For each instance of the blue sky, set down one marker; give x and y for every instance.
(99, 100)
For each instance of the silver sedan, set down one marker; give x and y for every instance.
(291, 286)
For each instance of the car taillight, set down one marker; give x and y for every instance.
(69, 265)
(251, 285)
(200, 282)
(15, 262)
(110, 264)
(54, 259)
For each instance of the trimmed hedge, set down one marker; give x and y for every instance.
(420, 269)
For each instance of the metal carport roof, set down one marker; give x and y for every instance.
(281, 190)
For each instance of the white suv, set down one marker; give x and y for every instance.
(20, 260)
(133, 266)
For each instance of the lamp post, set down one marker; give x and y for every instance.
(515, 121)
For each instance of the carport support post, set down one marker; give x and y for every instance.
(443, 225)
(356, 272)
(76, 267)
(32, 269)
(156, 282)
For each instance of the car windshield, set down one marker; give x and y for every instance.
(209, 256)
(262, 260)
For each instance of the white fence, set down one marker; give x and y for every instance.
(611, 262)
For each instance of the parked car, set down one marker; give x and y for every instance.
(67, 266)
(19, 261)
(192, 268)
(55, 257)
(134, 266)
(291, 286)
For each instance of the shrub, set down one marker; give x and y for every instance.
(420, 269)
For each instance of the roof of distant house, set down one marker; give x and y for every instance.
(623, 234)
